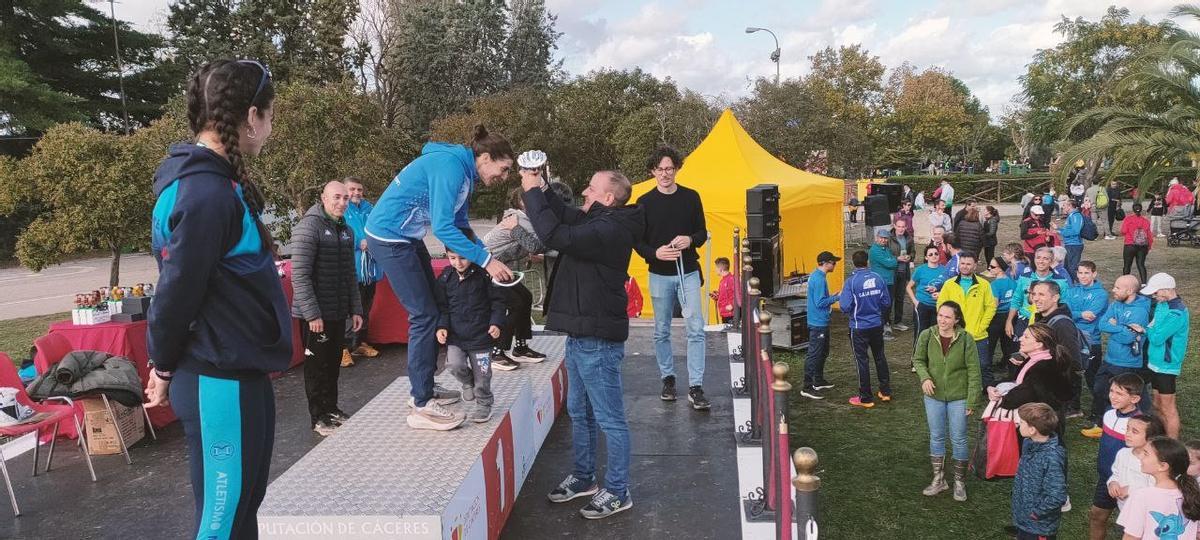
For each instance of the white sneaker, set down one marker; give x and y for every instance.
(1109, 237)
(1066, 507)
(1161, 235)
(433, 416)
(900, 327)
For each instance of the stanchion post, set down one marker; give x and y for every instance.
(737, 276)
(807, 484)
(783, 470)
(766, 411)
(751, 432)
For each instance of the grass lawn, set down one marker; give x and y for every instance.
(875, 462)
(17, 335)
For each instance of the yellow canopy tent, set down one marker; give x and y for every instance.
(727, 163)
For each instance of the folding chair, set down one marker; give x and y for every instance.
(51, 348)
(58, 413)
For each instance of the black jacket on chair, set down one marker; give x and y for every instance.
(467, 306)
(324, 281)
(587, 286)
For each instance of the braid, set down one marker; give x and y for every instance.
(219, 95)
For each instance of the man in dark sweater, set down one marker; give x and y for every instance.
(587, 301)
(326, 294)
(674, 229)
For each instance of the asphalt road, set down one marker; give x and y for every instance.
(24, 293)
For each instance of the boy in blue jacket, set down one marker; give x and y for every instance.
(1070, 230)
(1040, 488)
(1088, 300)
(820, 303)
(865, 298)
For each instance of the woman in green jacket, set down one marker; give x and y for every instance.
(948, 366)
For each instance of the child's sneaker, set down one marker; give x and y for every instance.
(1094, 432)
(481, 413)
(858, 402)
(502, 362)
(884, 397)
(524, 354)
(445, 396)
(605, 504)
(573, 488)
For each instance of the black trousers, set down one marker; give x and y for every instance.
(989, 253)
(899, 294)
(519, 323)
(1112, 217)
(367, 294)
(322, 365)
(1135, 253)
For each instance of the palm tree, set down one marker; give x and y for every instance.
(1144, 139)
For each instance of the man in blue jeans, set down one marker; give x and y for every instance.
(674, 229)
(865, 298)
(587, 301)
(820, 303)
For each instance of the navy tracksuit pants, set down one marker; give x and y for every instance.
(230, 428)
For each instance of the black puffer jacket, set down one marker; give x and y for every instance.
(587, 287)
(467, 306)
(970, 236)
(323, 278)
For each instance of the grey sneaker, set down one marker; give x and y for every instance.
(433, 416)
(445, 396)
(481, 413)
(605, 504)
(573, 488)
(468, 393)
(325, 427)
(900, 327)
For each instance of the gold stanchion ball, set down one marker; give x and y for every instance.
(746, 259)
(805, 459)
(764, 318)
(781, 384)
(746, 243)
(754, 283)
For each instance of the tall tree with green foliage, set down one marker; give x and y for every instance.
(1156, 129)
(58, 63)
(529, 50)
(1081, 72)
(302, 40)
(92, 189)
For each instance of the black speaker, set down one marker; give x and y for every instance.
(894, 193)
(762, 225)
(877, 210)
(766, 256)
(763, 199)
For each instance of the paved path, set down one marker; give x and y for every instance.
(24, 293)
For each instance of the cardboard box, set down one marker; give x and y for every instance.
(102, 433)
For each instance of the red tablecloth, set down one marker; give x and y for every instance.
(121, 339)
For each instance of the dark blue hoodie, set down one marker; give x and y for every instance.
(219, 307)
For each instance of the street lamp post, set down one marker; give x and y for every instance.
(774, 54)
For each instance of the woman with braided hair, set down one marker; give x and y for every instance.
(220, 322)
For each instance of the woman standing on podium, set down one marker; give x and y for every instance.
(219, 323)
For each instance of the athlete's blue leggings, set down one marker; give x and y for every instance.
(230, 428)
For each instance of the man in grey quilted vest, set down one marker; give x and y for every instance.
(325, 295)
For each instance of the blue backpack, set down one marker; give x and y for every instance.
(1088, 231)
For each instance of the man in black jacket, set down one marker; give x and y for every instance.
(325, 295)
(674, 229)
(587, 301)
(1046, 296)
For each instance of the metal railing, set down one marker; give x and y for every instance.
(765, 385)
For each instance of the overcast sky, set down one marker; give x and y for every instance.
(702, 45)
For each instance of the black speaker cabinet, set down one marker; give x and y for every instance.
(877, 210)
(763, 199)
(767, 261)
(762, 225)
(894, 193)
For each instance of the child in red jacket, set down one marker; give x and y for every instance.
(726, 294)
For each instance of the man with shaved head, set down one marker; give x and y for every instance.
(325, 295)
(587, 301)
(1127, 311)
